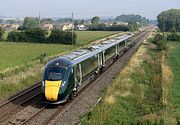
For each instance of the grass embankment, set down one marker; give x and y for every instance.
(174, 63)
(21, 64)
(135, 96)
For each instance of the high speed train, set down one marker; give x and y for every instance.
(66, 75)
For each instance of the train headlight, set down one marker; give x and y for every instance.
(63, 84)
(43, 84)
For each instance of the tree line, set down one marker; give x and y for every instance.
(169, 21)
(104, 27)
(134, 22)
(132, 18)
(132, 26)
(41, 36)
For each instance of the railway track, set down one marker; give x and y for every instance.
(47, 114)
(15, 103)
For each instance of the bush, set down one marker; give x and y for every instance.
(1, 33)
(162, 45)
(15, 36)
(39, 36)
(173, 37)
(35, 35)
(118, 28)
(157, 38)
(58, 36)
(161, 42)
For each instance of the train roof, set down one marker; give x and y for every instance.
(85, 53)
(59, 62)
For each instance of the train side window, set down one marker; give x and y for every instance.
(89, 65)
(121, 45)
(110, 52)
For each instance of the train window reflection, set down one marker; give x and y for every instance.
(54, 73)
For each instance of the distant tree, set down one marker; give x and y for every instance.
(128, 18)
(118, 28)
(169, 21)
(82, 22)
(30, 23)
(133, 26)
(1, 33)
(47, 20)
(1, 21)
(95, 20)
(104, 27)
(10, 21)
(64, 20)
(76, 22)
(144, 21)
(132, 18)
(153, 22)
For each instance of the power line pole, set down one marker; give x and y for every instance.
(39, 17)
(72, 28)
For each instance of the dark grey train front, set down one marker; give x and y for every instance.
(66, 75)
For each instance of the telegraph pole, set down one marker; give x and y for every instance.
(72, 28)
(39, 17)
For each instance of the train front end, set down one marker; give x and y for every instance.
(57, 81)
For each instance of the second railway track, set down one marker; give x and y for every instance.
(15, 103)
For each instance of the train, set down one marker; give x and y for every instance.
(66, 75)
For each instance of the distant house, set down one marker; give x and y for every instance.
(63, 27)
(14, 26)
(108, 24)
(122, 23)
(81, 27)
(9, 27)
(47, 26)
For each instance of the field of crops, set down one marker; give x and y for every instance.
(16, 54)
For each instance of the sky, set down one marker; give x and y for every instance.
(85, 8)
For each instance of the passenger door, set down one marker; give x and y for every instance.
(78, 75)
(103, 58)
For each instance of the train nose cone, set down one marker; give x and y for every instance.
(52, 89)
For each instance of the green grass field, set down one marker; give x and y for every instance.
(16, 54)
(85, 37)
(174, 62)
